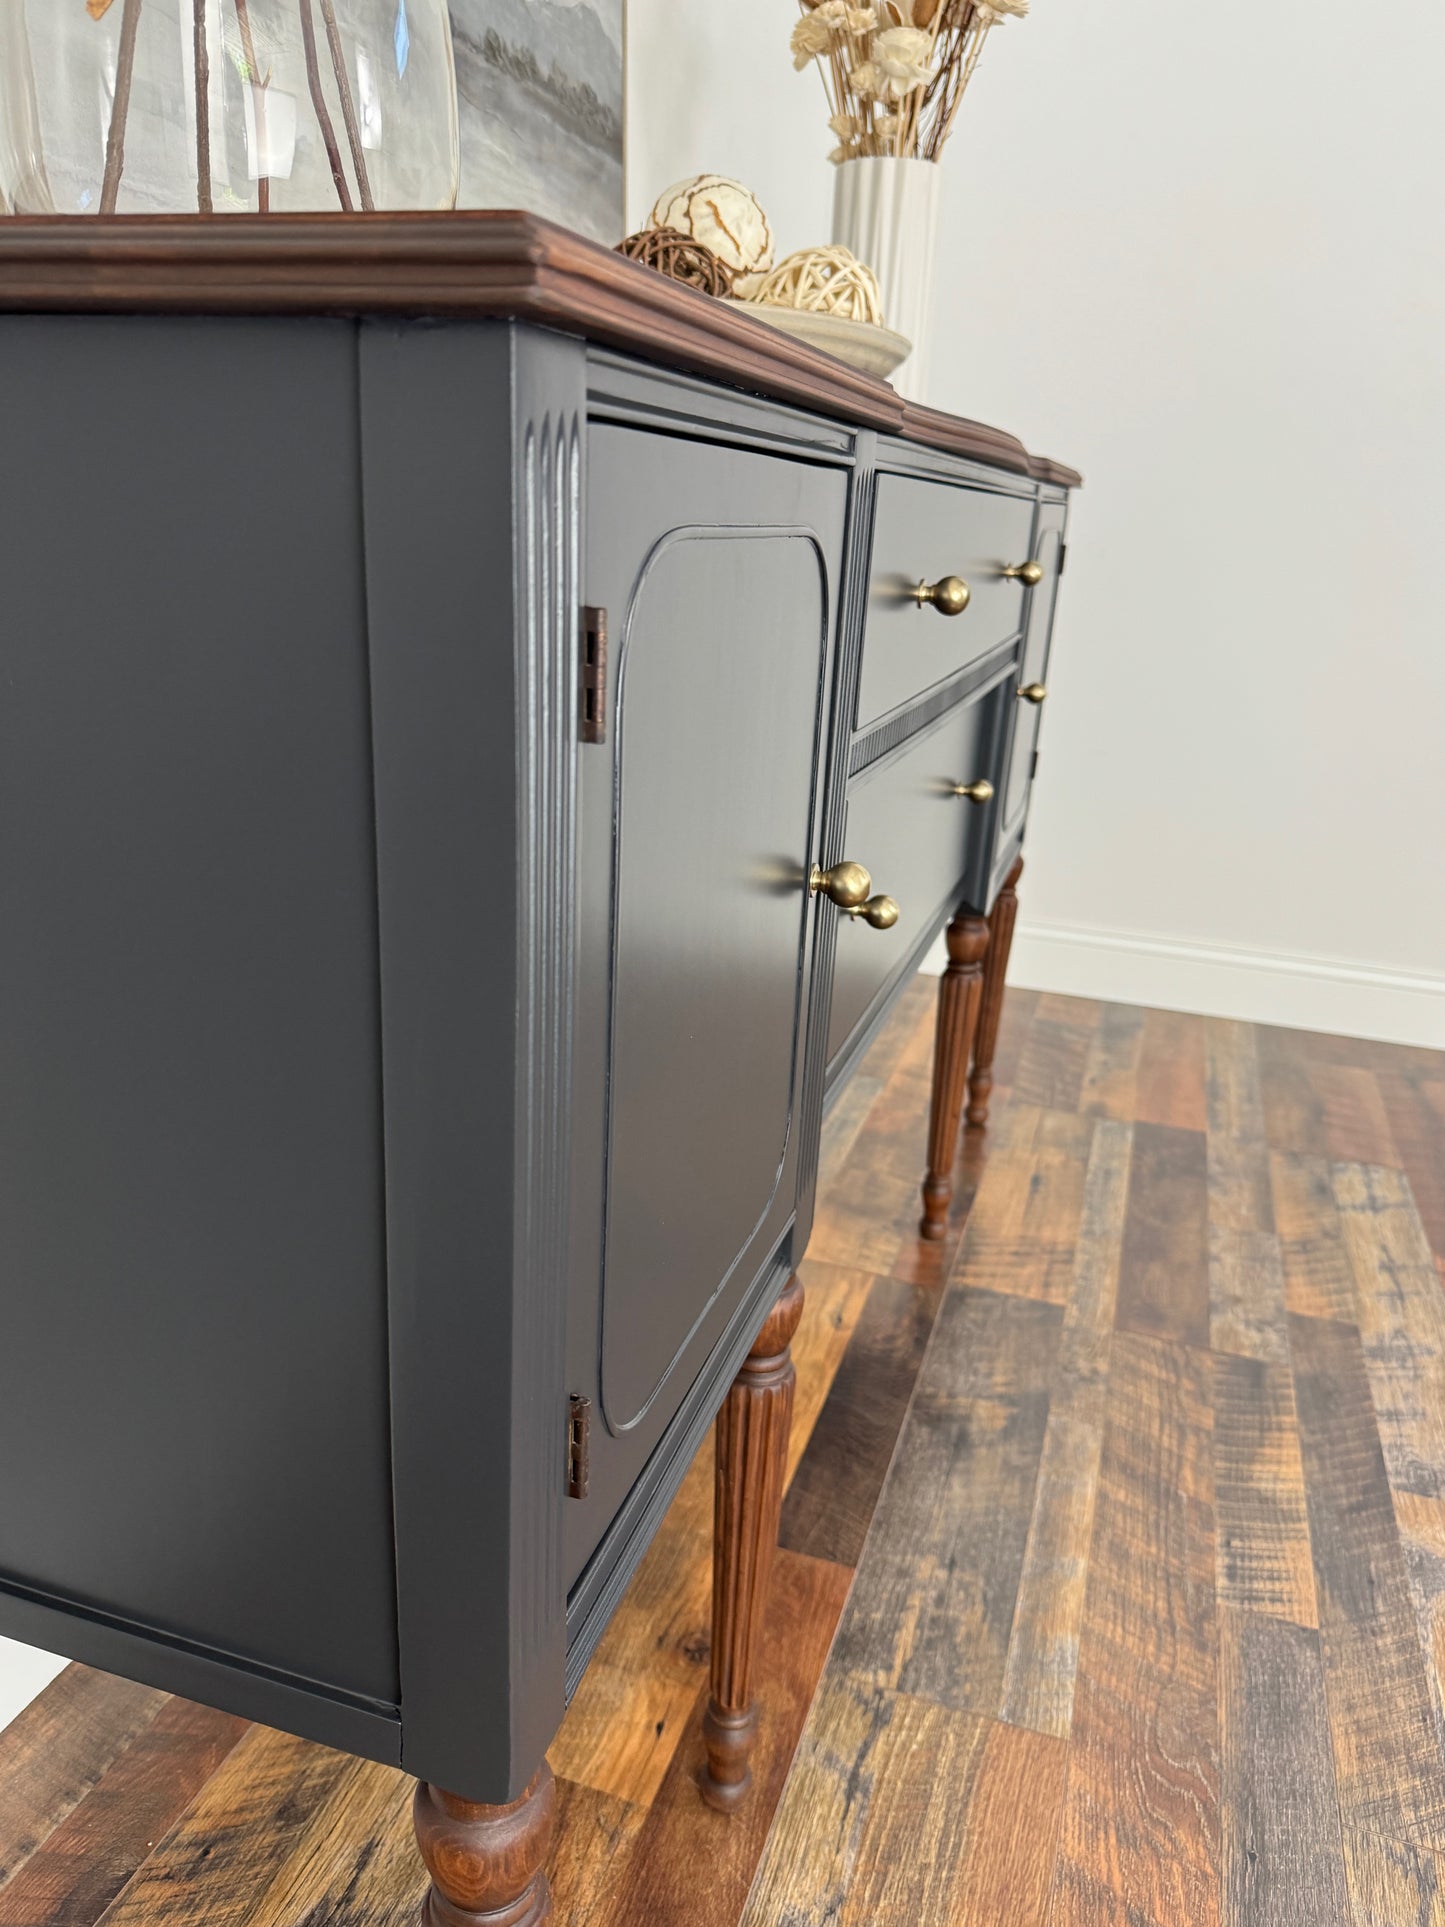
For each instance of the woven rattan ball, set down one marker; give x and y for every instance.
(680, 258)
(824, 281)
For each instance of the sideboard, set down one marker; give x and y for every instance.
(485, 733)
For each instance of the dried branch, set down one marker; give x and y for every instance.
(203, 106)
(258, 103)
(120, 107)
(323, 113)
(348, 106)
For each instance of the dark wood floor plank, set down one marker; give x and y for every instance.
(57, 1749)
(1402, 1329)
(1357, 1126)
(1318, 1281)
(1049, 1074)
(1011, 1834)
(237, 1837)
(1234, 1104)
(1024, 1221)
(1111, 1070)
(1170, 1087)
(1247, 1295)
(1164, 1269)
(834, 1492)
(1043, 1650)
(661, 1887)
(592, 1851)
(76, 1873)
(1294, 1114)
(354, 1862)
(1392, 1884)
(1415, 1109)
(1401, 1316)
(1283, 1855)
(1388, 1762)
(933, 1604)
(1139, 1842)
(1261, 1519)
(876, 1776)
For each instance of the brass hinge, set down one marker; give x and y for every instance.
(592, 679)
(579, 1445)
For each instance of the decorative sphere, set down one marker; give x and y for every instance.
(725, 216)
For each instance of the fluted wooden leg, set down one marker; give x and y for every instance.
(990, 1010)
(958, 1001)
(752, 1452)
(486, 1863)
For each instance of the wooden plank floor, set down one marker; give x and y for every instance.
(1112, 1581)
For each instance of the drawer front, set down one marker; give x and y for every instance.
(1033, 670)
(921, 844)
(922, 532)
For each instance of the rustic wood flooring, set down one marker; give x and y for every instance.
(1112, 1581)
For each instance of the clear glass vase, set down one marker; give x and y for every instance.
(226, 106)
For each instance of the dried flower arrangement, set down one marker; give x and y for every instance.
(895, 72)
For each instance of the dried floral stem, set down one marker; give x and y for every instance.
(323, 114)
(895, 71)
(203, 106)
(348, 105)
(258, 101)
(120, 107)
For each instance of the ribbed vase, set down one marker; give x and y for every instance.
(886, 211)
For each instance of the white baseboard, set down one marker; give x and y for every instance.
(1220, 980)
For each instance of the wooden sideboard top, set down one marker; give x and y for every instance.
(471, 264)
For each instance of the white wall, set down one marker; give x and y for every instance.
(1207, 268)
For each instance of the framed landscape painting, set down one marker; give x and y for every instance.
(540, 85)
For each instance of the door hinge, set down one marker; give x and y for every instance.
(592, 681)
(1063, 556)
(579, 1445)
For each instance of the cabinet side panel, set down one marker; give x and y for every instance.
(193, 1369)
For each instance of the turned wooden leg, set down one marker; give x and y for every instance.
(752, 1453)
(990, 1010)
(486, 1863)
(958, 1000)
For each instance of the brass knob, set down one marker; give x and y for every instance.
(846, 884)
(950, 595)
(880, 912)
(979, 792)
(1029, 572)
(1032, 692)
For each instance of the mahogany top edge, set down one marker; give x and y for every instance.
(473, 264)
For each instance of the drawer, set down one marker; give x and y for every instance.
(922, 532)
(921, 844)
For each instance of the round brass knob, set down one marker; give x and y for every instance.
(880, 912)
(1032, 692)
(979, 792)
(846, 884)
(950, 595)
(1030, 572)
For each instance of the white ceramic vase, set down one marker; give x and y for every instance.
(886, 211)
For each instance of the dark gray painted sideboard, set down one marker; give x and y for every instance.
(445, 672)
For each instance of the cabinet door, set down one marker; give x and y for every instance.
(698, 825)
(1048, 553)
